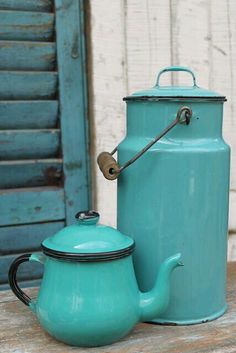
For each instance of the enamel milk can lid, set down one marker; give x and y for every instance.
(159, 92)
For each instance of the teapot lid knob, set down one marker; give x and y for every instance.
(90, 217)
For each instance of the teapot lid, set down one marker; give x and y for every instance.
(88, 241)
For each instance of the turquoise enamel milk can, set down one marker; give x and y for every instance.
(89, 294)
(173, 189)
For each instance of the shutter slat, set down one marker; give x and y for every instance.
(27, 85)
(31, 205)
(29, 270)
(28, 173)
(26, 25)
(26, 238)
(27, 5)
(29, 144)
(28, 114)
(38, 56)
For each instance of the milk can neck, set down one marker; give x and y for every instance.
(149, 119)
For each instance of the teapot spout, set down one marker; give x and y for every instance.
(153, 303)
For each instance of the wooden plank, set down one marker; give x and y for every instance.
(31, 56)
(230, 123)
(232, 247)
(27, 173)
(23, 284)
(222, 55)
(27, 271)
(26, 334)
(110, 83)
(26, 238)
(29, 144)
(73, 104)
(26, 25)
(27, 5)
(148, 38)
(31, 205)
(27, 85)
(232, 212)
(186, 17)
(28, 114)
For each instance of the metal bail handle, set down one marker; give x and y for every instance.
(109, 166)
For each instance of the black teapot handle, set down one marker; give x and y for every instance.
(12, 275)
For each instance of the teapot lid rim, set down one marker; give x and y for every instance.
(89, 257)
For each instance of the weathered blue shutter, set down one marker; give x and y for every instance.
(43, 164)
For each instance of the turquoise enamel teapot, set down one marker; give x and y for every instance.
(89, 294)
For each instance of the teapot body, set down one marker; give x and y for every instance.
(176, 197)
(88, 304)
(89, 294)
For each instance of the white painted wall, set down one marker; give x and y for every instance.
(131, 40)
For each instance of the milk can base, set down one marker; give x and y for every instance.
(190, 322)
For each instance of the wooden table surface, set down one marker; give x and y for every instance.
(20, 332)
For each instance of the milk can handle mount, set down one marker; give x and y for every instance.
(109, 166)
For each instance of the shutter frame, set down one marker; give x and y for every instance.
(41, 191)
(73, 104)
